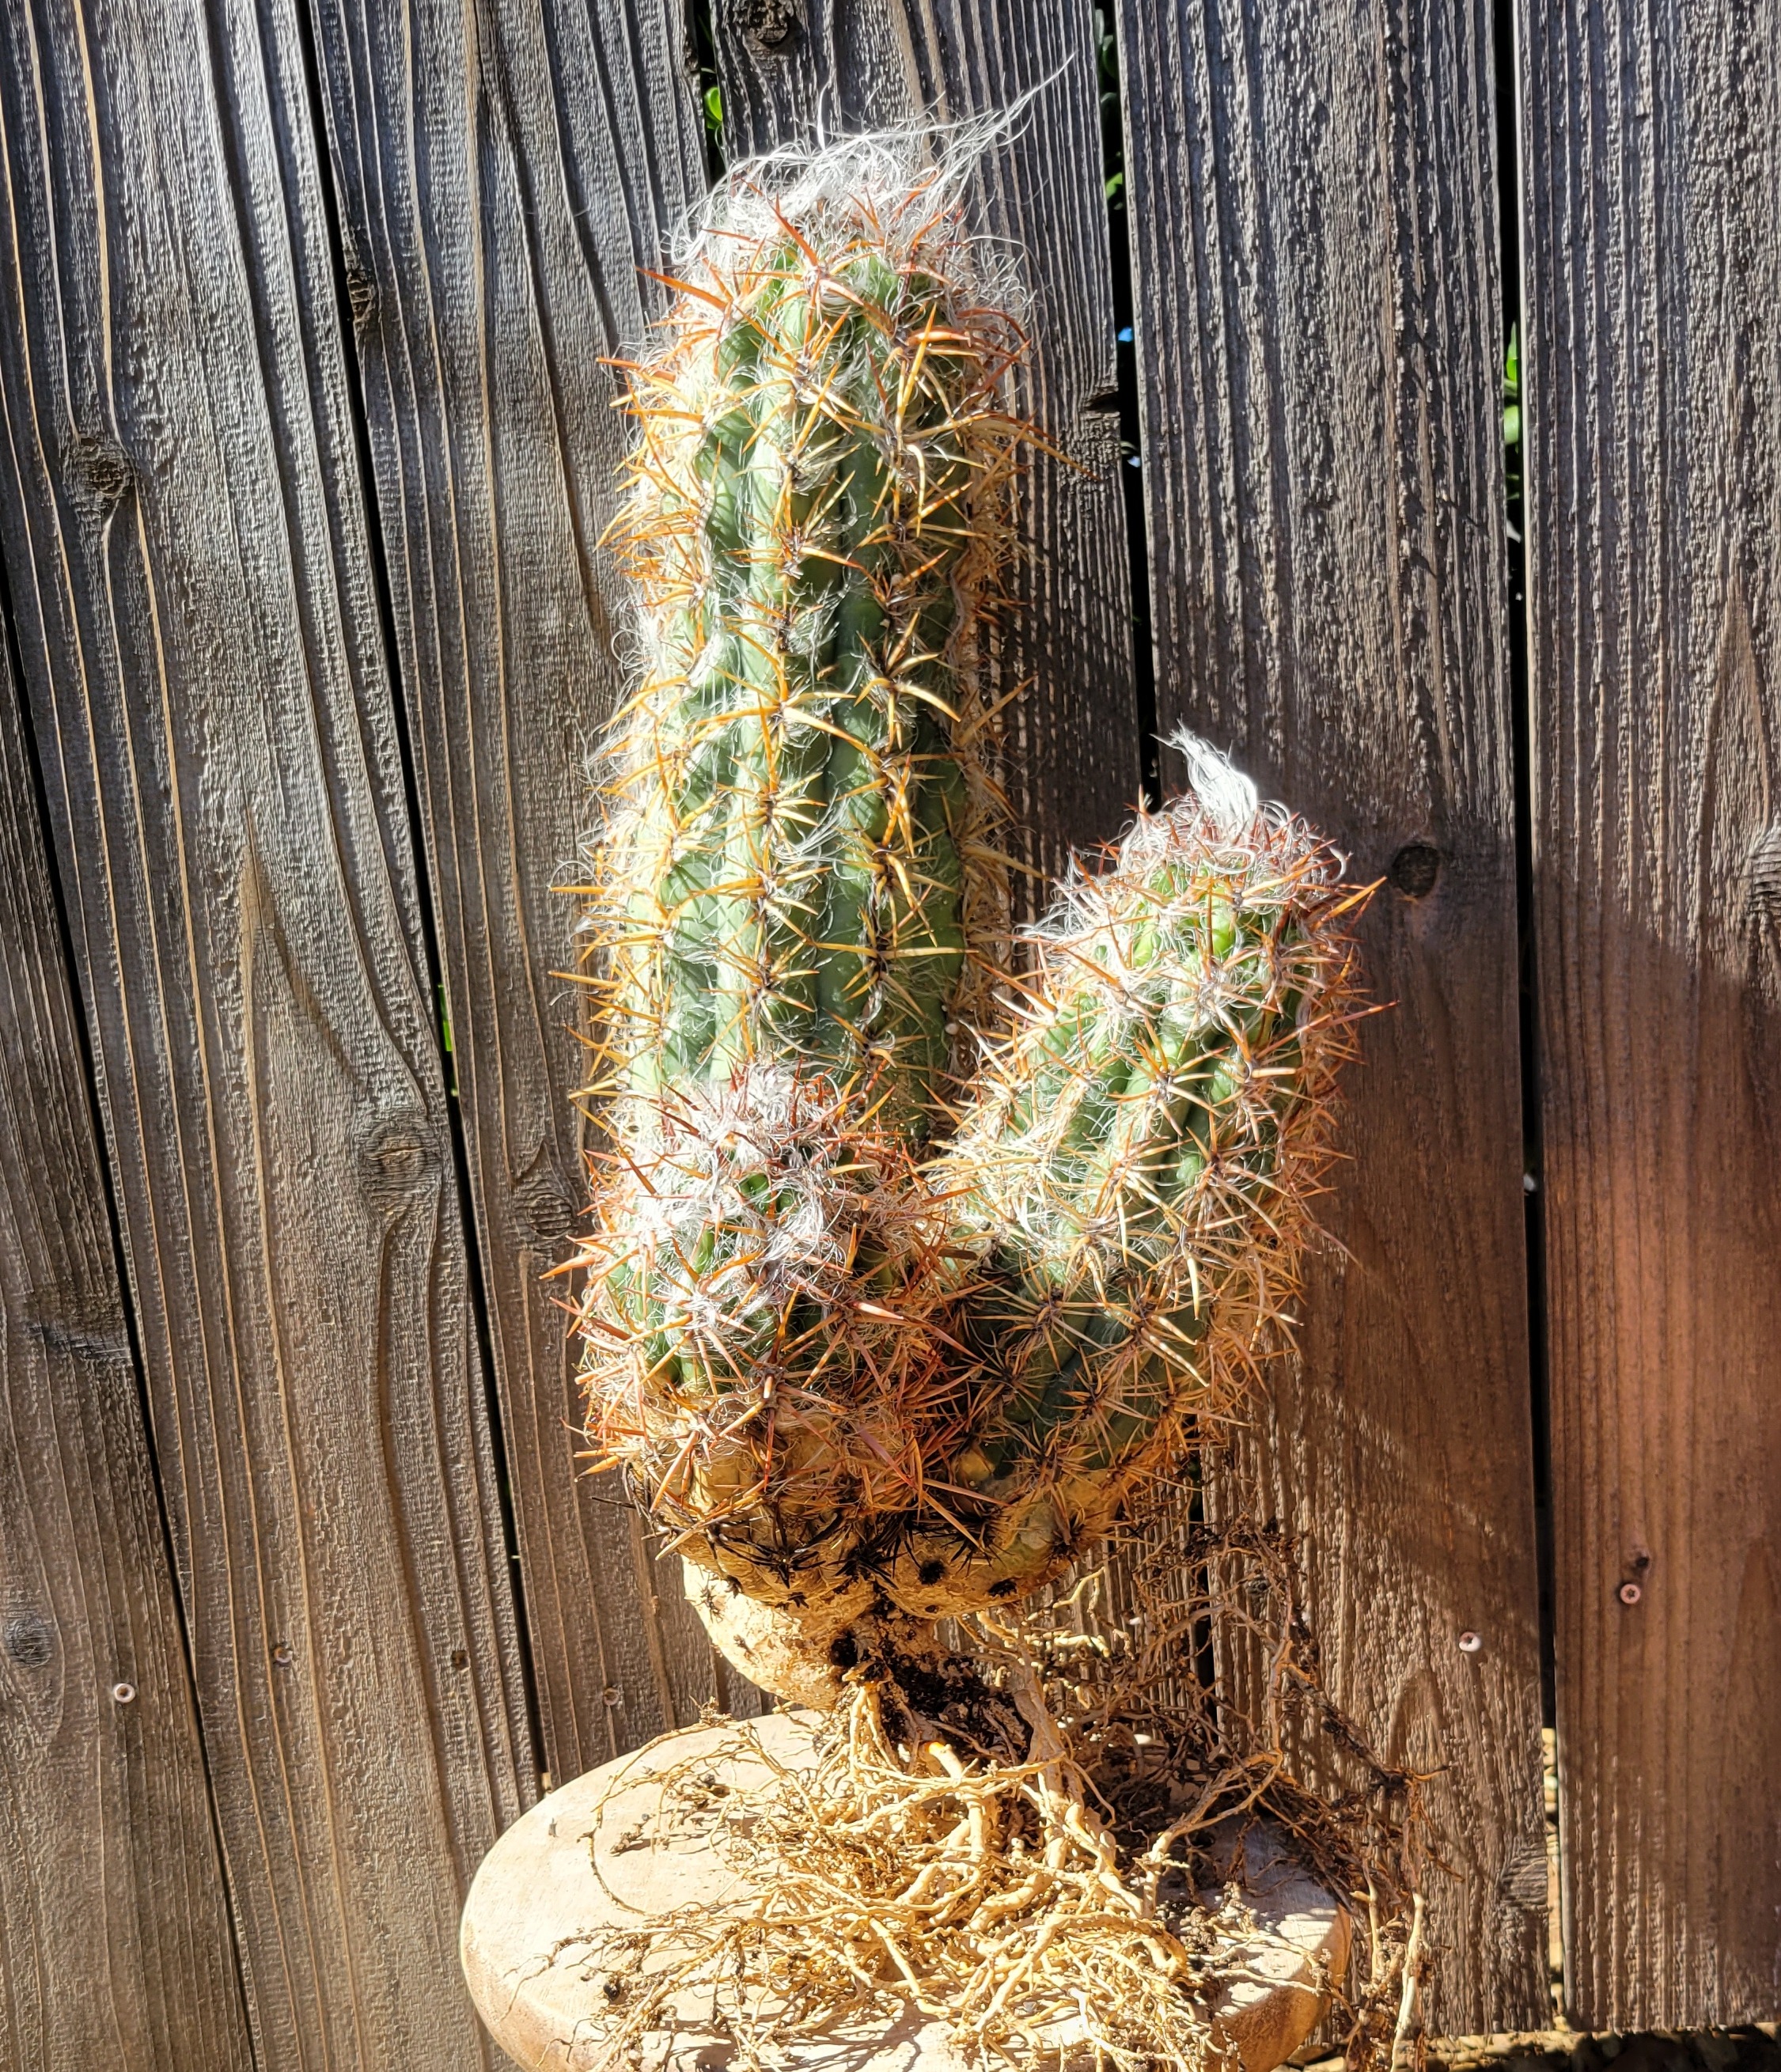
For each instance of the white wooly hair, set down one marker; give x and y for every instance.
(708, 1141)
(745, 1120)
(1227, 799)
(902, 185)
(1220, 817)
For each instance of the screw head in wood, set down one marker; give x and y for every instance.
(122, 1693)
(1630, 1593)
(281, 1654)
(1472, 1643)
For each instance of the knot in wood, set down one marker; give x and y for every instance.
(1765, 877)
(96, 458)
(1522, 1880)
(1414, 869)
(361, 294)
(544, 1207)
(772, 24)
(31, 1640)
(396, 1158)
(97, 1349)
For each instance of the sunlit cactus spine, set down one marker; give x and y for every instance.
(879, 1343)
(797, 849)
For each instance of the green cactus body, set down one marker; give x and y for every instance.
(783, 876)
(1131, 1171)
(796, 856)
(869, 1335)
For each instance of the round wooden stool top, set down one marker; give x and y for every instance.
(536, 1908)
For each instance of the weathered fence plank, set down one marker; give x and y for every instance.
(1652, 144)
(181, 516)
(1314, 251)
(504, 175)
(106, 1842)
(1074, 758)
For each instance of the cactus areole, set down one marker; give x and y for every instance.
(915, 1251)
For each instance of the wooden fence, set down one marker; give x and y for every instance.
(308, 448)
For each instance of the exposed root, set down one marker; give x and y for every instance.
(1032, 1848)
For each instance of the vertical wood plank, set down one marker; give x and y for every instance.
(1652, 149)
(1314, 250)
(107, 1846)
(503, 174)
(181, 517)
(1073, 755)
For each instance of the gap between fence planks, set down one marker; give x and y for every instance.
(182, 522)
(1315, 254)
(106, 1845)
(1653, 403)
(505, 180)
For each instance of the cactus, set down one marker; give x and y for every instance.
(879, 1327)
(1131, 1170)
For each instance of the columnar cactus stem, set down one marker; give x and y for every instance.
(1132, 1167)
(798, 852)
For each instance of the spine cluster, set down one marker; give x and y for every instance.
(904, 1274)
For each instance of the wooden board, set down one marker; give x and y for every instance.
(1073, 758)
(107, 1846)
(503, 176)
(181, 516)
(1314, 248)
(1652, 144)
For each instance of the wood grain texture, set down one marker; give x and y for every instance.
(106, 1842)
(1073, 758)
(1314, 241)
(1652, 145)
(503, 174)
(181, 516)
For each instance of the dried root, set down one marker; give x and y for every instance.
(1060, 1901)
